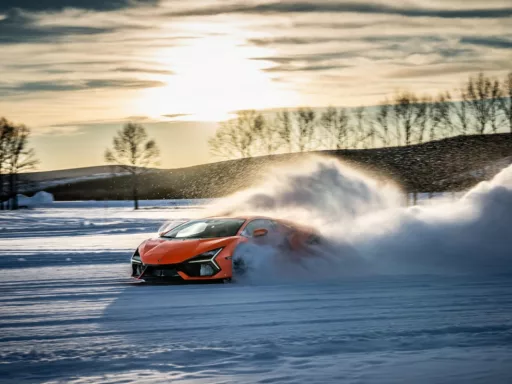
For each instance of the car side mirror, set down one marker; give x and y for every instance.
(259, 232)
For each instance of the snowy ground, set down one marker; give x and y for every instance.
(69, 314)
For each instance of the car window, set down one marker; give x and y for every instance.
(191, 230)
(205, 229)
(258, 224)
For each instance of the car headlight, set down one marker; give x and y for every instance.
(207, 259)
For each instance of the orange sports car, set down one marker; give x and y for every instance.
(202, 250)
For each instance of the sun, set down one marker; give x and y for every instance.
(213, 76)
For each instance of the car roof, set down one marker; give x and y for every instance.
(245, 217)
(254, 217)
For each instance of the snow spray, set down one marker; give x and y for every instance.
(367, 228)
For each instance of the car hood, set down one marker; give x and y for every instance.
(172, 251)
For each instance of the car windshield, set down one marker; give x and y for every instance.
(205, 229)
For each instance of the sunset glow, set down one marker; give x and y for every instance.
(85, 68)
(213, 76)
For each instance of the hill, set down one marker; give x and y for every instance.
(62, 174)
(445, 165)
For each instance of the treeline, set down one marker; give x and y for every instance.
(481, 105)
(15, 157)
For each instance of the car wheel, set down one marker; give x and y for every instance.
(314, 240)
(239, 266)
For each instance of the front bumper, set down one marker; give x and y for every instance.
(202, 267)
(181, 272)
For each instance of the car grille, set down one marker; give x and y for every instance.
(163, 272)
(168, 271)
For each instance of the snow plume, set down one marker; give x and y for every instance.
(318, 189)
(470, 235)
(369, 231)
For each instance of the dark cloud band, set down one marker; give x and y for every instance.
(59, 86)
(346, 6)
(57, 5)
(490, 42)
(18, 27)
(144, 70)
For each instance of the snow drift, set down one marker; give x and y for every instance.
(370, 231)
(39, 199)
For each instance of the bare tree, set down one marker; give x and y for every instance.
(328, 122)
(306, 128)
(505, 102)
(237, 137)
(266, 135)
(15, 157)
(496, 115)
(425, 118)
(133, 153)
(381, 123)
(364, 133)
(225, 143)
(460, 112)
(436, 114)
(249, 125)
(442, 116)
(408, 113)
(336, 123)
(284, 129)
(480, 93)
(21, 159)
(5, 133)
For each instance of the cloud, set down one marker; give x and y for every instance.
(15, 34)
(492, 42)
(305, 68)
(87, 65)
(438, 69)
(55, 86)
(62, 130)
(145, 70)
(325, 24)
(369, 37)
(138, 119)
(124, 83)
(344, 7)
(18, 27)
(176, 115)
(57, 5)
(142, 119)
(308, 57)
(335, 50)
(372, 49)
(41, 86)
(290, 40)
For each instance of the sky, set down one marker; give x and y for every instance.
(75, 71)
